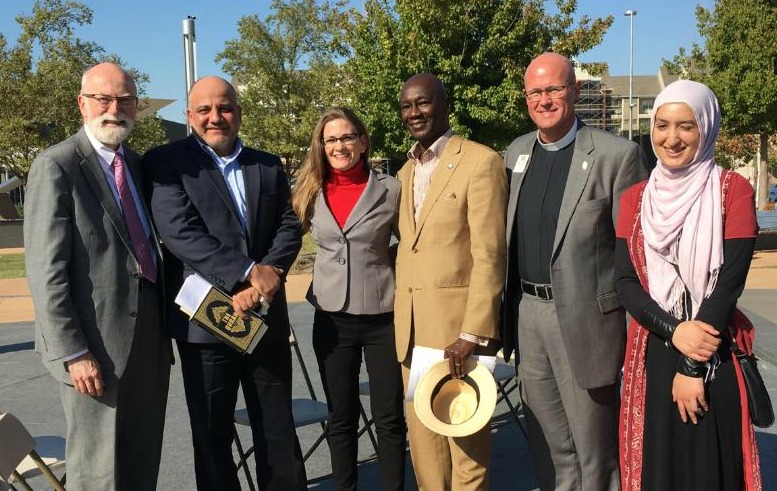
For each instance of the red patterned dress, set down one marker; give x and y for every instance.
(657, 450)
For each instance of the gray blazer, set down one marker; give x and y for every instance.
(354, 271)
(582, 268)
(82, 273)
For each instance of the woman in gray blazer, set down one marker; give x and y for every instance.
(351, 211)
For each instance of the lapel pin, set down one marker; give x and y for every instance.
(450, 166)
(585, 164)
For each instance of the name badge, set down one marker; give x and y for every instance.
(520, 165)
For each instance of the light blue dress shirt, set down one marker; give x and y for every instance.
(233, 177)
(230, 170)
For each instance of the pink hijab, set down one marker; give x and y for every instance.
(682, 216)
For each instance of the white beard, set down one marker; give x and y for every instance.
(111, 135)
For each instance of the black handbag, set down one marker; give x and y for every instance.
(761, 411)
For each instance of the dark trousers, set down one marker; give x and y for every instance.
(211, 374)
(339, 340)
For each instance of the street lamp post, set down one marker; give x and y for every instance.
(630, 14)
(189, 59)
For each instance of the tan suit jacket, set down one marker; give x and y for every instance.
(451, 264)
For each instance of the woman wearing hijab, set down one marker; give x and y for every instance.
(685, 238)
(351, 212)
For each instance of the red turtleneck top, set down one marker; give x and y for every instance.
(342, 190)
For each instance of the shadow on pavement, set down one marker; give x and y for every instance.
(32, 395)
(17, 347)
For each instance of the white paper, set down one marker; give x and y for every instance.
(424, 358)
(192, 293)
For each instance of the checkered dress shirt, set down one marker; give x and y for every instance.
(425, 161)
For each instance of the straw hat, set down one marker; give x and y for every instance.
(455, 407)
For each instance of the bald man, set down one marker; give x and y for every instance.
(561, 309)
(450, 270)
(94, 271)
(224, 211)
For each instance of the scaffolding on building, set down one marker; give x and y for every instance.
(597, 107)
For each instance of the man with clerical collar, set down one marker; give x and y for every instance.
(450, 268)
(224, 211)
(561, 309)
(95, 272)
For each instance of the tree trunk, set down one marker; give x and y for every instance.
(762, 159)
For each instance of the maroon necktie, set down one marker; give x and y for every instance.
(140, 242)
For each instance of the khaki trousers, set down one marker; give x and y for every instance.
(444, 463)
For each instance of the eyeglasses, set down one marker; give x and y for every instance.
(348, 140)
(554, 92)
(124, 101)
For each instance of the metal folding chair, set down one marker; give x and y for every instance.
(364, 390)
(506, 377)
(23, 457)
(306, 411)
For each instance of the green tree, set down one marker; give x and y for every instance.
(738, 61)
(147, 134)
(286, 71)
(40, 77)
(478, 49)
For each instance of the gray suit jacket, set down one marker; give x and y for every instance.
(82, 273)
(354, 271)
(582, 268)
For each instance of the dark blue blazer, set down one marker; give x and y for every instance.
(200, 228)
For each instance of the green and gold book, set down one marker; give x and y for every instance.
(211, 309)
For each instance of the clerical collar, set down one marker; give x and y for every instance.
(562, 143)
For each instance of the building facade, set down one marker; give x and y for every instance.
(604, 99)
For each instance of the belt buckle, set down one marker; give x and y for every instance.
(535, 290)
(542, 291)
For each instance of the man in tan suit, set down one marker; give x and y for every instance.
(450, 269)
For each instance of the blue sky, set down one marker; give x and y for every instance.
(146, 34)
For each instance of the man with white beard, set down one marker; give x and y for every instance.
(94, 266)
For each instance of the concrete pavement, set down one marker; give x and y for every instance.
(31, 394)
(27, 391)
